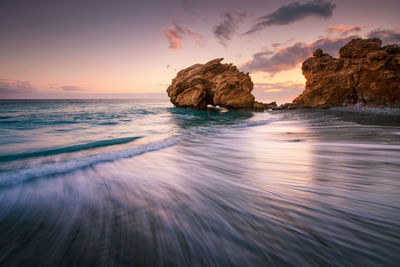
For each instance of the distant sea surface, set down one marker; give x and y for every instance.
(142, 183)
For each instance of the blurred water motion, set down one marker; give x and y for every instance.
(197, 188)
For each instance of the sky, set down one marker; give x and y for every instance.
(133, 49)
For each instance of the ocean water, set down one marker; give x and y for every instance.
(141, 183)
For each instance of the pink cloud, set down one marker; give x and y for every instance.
(176, 32)
(280, 91)
(197, 38)
(290, 57)
(173, 36)
(342, 29)
(11, 88)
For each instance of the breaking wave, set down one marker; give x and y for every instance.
(15, 177)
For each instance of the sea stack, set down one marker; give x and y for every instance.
(214, 84)
(365, 73)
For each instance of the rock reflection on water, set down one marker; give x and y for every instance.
(302, 190)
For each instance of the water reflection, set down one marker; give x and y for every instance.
(187, 118)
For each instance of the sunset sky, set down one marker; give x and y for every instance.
(132, 49)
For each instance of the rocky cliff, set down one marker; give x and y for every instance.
(365, 73)
(214, 84)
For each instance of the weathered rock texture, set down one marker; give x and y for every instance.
(365, 73)
(214, 84)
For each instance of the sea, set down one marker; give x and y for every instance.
(143, 183)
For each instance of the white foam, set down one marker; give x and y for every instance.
(253, 123)
(15, 177)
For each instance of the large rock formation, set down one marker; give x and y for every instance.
(214, 84)
(365, 73)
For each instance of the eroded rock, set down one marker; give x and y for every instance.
(264, 106)
(213, 84)
(358, 48)
(365, 73)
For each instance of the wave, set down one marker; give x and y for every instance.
(69, 149)
(10, 178)
(16, 177)
(253, 123)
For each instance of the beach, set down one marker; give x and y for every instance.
(140, 182)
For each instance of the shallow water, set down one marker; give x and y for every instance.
(112, 182)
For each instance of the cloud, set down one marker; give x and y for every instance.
(55, 87)
(288, 86)
(293, 12)
(225, 30)
(173, 36)
(175, 33)
(387, 36)
(72, 88)
(342, 29)
(287, 42)
(280, 91)
(197, 38)
(291, 56)
(264, 52)
(12, 88)
(276, 45)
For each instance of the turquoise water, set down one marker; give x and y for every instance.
(129, 182)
